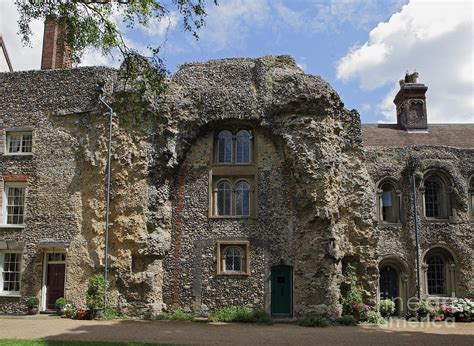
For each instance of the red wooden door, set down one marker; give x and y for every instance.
(54, 284)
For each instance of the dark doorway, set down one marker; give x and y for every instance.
(388, 284)
(282, 291)
(54, 284)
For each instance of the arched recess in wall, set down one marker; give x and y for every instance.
(389, 201)
(436, 195)
(439, 271)
(393, 282)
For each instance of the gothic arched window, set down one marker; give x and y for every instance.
(439, 272)
(242, 147)
(432, 198)
(437, 201)
(242, 199)
(389, 203)
(224, 147)
(224, 192)
(435, 274)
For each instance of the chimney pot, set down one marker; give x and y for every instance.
(410, 102)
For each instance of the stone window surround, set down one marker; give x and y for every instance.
(233, 181)
(16, 294)
(234, 129)
(221, 245)
(3, 206)
(234, 172)
(5, 135)
(391, 181)
(449, 271)
(446, 197)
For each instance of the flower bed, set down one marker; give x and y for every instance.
(460, 310)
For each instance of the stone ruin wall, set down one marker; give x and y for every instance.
(317, 140)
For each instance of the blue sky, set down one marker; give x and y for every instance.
(361, 47)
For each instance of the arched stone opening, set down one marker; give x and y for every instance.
(439, 272)
(389, 201)
(393, 282)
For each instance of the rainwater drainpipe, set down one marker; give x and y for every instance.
(100, 88)
(417, 243)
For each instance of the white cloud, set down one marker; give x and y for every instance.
(159, 29)
(21, 57)
(230, 23)
(435, 38)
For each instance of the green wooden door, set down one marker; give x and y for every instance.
(282, 290)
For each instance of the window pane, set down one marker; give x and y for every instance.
(432, 199)
(242, 199)
(223, 199)
(435, 275)
(26, 144)
(15, 143)
(243, 147)
(233, 260)
(15, 205)
(224, 147)
(11, 272)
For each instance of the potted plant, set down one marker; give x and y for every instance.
(423, 310)
(32, 305)
(69, 310)
(60, 303)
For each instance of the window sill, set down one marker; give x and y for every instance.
(19, 154)
(16, 295)
(230, 217)
(389, 224)
(433, 220)
(233, 274)
(12, 226)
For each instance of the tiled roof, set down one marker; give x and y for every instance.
(392, 136)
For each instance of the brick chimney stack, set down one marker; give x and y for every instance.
(55, 55)
(411, 104)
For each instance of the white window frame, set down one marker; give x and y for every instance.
(2, 260)
(6, 187)
(20, 133)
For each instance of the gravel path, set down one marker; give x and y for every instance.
(203, 333)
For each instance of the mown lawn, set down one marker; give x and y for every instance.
(15, 342)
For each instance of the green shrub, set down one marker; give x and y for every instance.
(32, 302)
(241, 313)
(112, 314)
(261, 317)
(313, 321)
(387, 307)
(470, 293)
(375, 317)
(352, 303)
(347, 320)
(177, 315)
(60, 303)
(95, 293)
